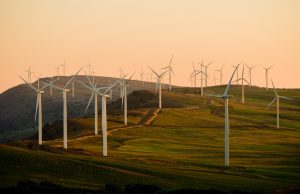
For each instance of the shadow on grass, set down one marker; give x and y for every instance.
(26, 187)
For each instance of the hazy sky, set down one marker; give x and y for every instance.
(137, 33)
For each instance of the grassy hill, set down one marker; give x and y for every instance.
(182, 146)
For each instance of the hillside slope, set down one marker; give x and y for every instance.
(183, 146)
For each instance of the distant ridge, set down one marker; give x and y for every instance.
(17, 104)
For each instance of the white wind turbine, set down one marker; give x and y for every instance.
(65, 122)
(38, 108)
(267, 76)
(64, 68)
(225, 96)
(215, 79)
(158, 83)
(221, 74)
(142, 76)
(29, 73)
(277, 99)
(194, 74)
(250, 74)
(201, 76)
(57, 71)
(206, 71)
(243, 88)
(170, 69)
(121, 71)
(104, 95)
(124, 84)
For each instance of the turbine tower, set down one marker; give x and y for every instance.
(158, 83)
(243, 88)
(201, 76)
(170, 69)
(267, 76)
(95, 92)
(57, 71)
(221, 74)
(250, 74)
(206, 71)
(29, 73)
(194, 74)
(124, 85)
(226, 97)
(277, 99)
(38, 108)
(64, 92)
(64, 68)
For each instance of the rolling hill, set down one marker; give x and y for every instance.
(178, 147)
(17, 105)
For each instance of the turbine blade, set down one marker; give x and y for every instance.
(73, 77)
(209, 63)
(153, 71)
(91, 98)
(170, 61)
(218, 96)
(163, 73)
(56, 87)
(236, 80)
(246, 81)
(89, 80)
(229, 83)
(29, 84)
(36, 107)
(271, 103)
(286, 98)
(110, 87)
(129, 79)
(86, 86)
(47, 85)
(274, 88)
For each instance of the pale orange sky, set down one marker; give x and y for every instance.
(136, 33)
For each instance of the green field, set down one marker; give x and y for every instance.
(182, 148)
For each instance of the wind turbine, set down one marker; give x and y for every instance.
(243, 88)
(121, 71)
(250, 74)
(205, 71)
(158, 77)
(201, 76)
(267, 76)
(194, 74)
(57, 71)
(221, 74)
(95, 92)
(225, 96)
(277, 98)
(124, 84)
(215, 79)
(142, 76)
(169, 68)
(38, 107)
(64, 91)
(64, 67)
(29, 72)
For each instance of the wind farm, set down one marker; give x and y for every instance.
(149, 97)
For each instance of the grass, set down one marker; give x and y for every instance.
(183, 148)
